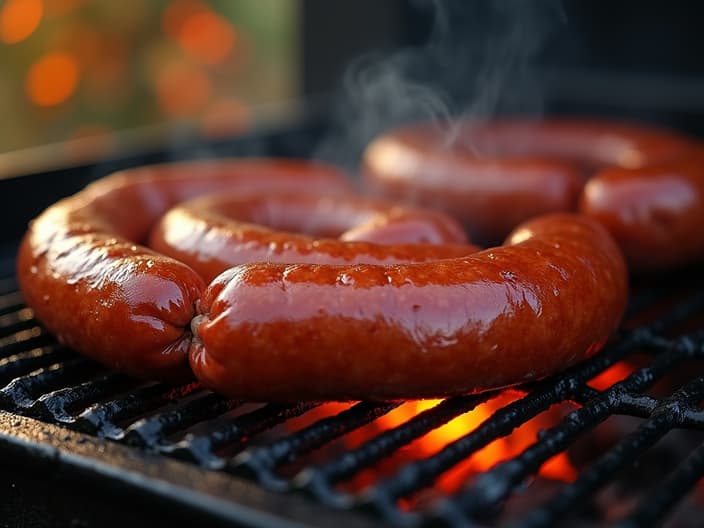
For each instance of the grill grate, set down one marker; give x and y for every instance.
(44, 380)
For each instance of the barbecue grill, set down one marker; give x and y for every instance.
(616, 440)
(78, 441)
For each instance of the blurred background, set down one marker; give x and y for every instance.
(78, 68)
(98, 70)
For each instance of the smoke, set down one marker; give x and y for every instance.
(478, 61)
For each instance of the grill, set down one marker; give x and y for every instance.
(77, 441)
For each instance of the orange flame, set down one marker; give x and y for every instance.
(52, 79)
(559, 467)
(19, 19)
(612, 375)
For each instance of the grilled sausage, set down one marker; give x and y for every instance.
(284, 332)
(494, 175)
(214, 233)
(82, 270)
(656, 213)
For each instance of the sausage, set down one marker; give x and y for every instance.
(214, 233)
(282, 332)
(655, 213)
(89, 281)
(493, 175)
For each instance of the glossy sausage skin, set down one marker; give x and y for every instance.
(546, 300)
(494, 175)
(656, 214)
(214, 233)
(89, 281)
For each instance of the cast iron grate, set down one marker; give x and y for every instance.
(663, 340)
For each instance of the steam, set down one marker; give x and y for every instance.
(477, 62)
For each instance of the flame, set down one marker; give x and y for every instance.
(19, 19)
(557, 468)
(612, 375)
(52, 79)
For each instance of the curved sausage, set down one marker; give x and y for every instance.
(656, 214)
(81, 268)
(214, 233)
(285, 332)
(494, 175)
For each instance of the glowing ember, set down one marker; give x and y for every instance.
(52, 79)
(19, 19)
(611, 376)
(557, 468)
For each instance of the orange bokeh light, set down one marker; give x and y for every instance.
(182, 89)
(178, 12)
(225, 117)
(52, 79)
(19, 19)
(207, 37)
(61, 7)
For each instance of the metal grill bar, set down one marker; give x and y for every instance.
(11, 302)
(261, 461)
(669, 491)
(152, 431)
(33, 359)
(495, 485)
(22, 392)
(102, 419)
(417, 475)
(666, 416)
(58, 405)
(23, 341)
(16, 321)
(202, 447)
(320, 480)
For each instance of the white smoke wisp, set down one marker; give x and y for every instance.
(478, 62)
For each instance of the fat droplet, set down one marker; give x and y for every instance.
(33, 270)
(508, 275)
(150, 263)
(346, 279)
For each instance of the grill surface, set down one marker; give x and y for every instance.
(637, 444)
(664, 340)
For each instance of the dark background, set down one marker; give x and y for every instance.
(625, 58)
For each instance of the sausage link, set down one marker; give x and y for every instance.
(491, 176)
(81, 268)
(284, 332)
(214, 233)
(656, 214)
